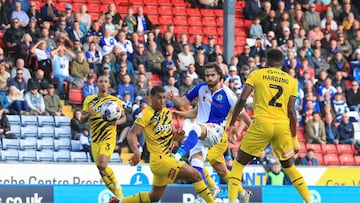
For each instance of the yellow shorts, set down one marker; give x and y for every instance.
(165, 169)
(216, 152)
(105, 147)
(259, 135)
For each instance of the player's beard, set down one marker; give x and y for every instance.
(212, 84)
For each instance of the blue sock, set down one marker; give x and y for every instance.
(188, 144)
(201, 170)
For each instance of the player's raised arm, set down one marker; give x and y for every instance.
(133, 133)
(178, 101)
(121, 120)
(190, 114)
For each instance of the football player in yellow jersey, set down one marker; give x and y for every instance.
(155, 122)
(103, 133)
(215, 154)
(275, 93)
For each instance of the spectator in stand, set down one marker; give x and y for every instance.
(5, 13)
(312, 16)
(141, 57)
(319, 62)
(170, 87)
(327, 100)
(355, 42)
(352, 96)
(344, 46)
(252, 9)
(155, 58)
(235, 76)
(277, 176)
(346, 130)
(61, 58)
(20, 65)
(5, 128)
(20, 15)
(85, 143)
(17, 104)
(339, 63)
(75, 33)
(340, 106)
(244, 56)
(109, 25)
(13, 35)
(200, 61)
(171, 72)
(18, 81)
(130, 20)
(329, 19)
(35, 101)
(52, 102)
(125, 44)
(124, 87)
(49, 12)
(258, 48)
(185, 58)
(310, 159)
(142, 86)
(76, 126)
(167, 40)
(40, 81)
(315, 129)
(42, 53)
(262, 160)
(327, 87)
(256, 29)
(4, 77)
(107, 42)
(315, 34)
(143, 22)
(84, 16)
(115, 16)
(94, 57)
(90, 86)
(198, 42)
(23, 50)
(331, 129)
(34, 15)
(80, 67)
(186, 85)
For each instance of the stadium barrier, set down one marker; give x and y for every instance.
(87, 174)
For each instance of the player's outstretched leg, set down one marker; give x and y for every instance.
(110, 181)
(297, 180)
(214, 189)
(189, 143)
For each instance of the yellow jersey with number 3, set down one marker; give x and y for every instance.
(100, 129)
(272, 90)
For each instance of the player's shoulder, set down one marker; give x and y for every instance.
(90, 98)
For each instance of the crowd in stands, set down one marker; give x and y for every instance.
(43, 48)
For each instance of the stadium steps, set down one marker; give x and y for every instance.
(67, 109)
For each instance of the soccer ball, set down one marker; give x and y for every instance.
(110, 111)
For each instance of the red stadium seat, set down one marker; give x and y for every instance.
(93, 8)
(220, 30)
(94, 16)
(137, 2)
(207, 12)
(329, 149)
(347, 159)
(180, 20)
(154, 19)
(220, 21)
(195, 30)
(219, 12)
(344, 149)
(181, 29)
(151, 10)
(193, 12)
(248, 23)
(315, 147)
(166, 19)
(155, 80)
(150, 2)
(320, 158)
(164, 2)
(210, 31)
(238, 50)
(194, 20)
(331, 159)
(241, 32)
(209, 21)
(178, 3)
(302, 147)
(239, 22)
(75, 96)
(165, 10)
(357, 160)
(179, 11)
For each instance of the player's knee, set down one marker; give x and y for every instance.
(287, 163)
(197, 130)
(102, 166)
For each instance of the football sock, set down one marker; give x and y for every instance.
(111, 182)
(201, 170)
(298, 182)
(234, 184)
(142, 197)
(210, 182)
(188, 144)
(203, 191)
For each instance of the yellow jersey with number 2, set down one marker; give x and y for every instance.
(272, 90)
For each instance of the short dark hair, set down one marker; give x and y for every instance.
(275, 58)
(216, 66)
(157, 89)
(310, 150)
